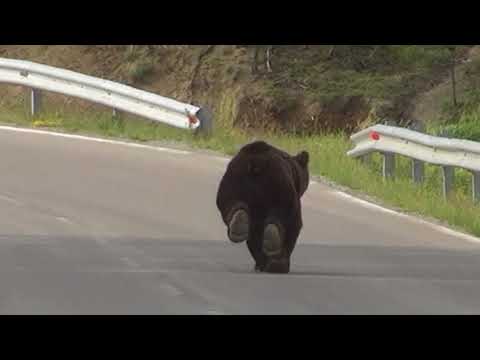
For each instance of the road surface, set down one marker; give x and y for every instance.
(100, 228)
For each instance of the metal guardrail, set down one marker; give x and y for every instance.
(421, 148)
(121, 97)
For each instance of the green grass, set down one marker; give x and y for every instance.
(462, 121)
(386, 72)
(328, 159)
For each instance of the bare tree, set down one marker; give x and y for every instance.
(268, 58)
(453, 61)
(331, 52)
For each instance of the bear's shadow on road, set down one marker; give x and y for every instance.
(321, 261)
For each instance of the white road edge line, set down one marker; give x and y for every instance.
(64, 220)
(440, 228)
(10, 200)
(222, 159)
(88, 138)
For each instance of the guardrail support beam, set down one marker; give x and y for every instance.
(206, 122)
(418, 171)
(418, 167)
(388, 165)
(448, 180)
(476, 186)
(366, 159)
(34, 101)
(448, 174)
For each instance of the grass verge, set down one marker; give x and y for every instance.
(328, 160)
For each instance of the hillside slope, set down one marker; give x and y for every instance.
(294, 88)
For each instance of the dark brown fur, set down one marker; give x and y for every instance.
(270, 182)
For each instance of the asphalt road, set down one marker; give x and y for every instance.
(100, 228)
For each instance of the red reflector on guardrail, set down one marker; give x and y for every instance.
(192, 119)
(374, 136)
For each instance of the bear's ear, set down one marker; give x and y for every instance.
(303, 158)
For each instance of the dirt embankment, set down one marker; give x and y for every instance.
(242, 85)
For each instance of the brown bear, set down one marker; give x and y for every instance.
(259, 201)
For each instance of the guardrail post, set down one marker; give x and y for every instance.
(388, 165)
(448, 180)
(389, 158)
(206, 122)
(366, 159)
(476, 186)
(448, 173)
(418, 167)
(34, 101)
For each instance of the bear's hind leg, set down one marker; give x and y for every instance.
(254, 244)
(238, 223)
(273, 239)
(280, 233)
(273, 247)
